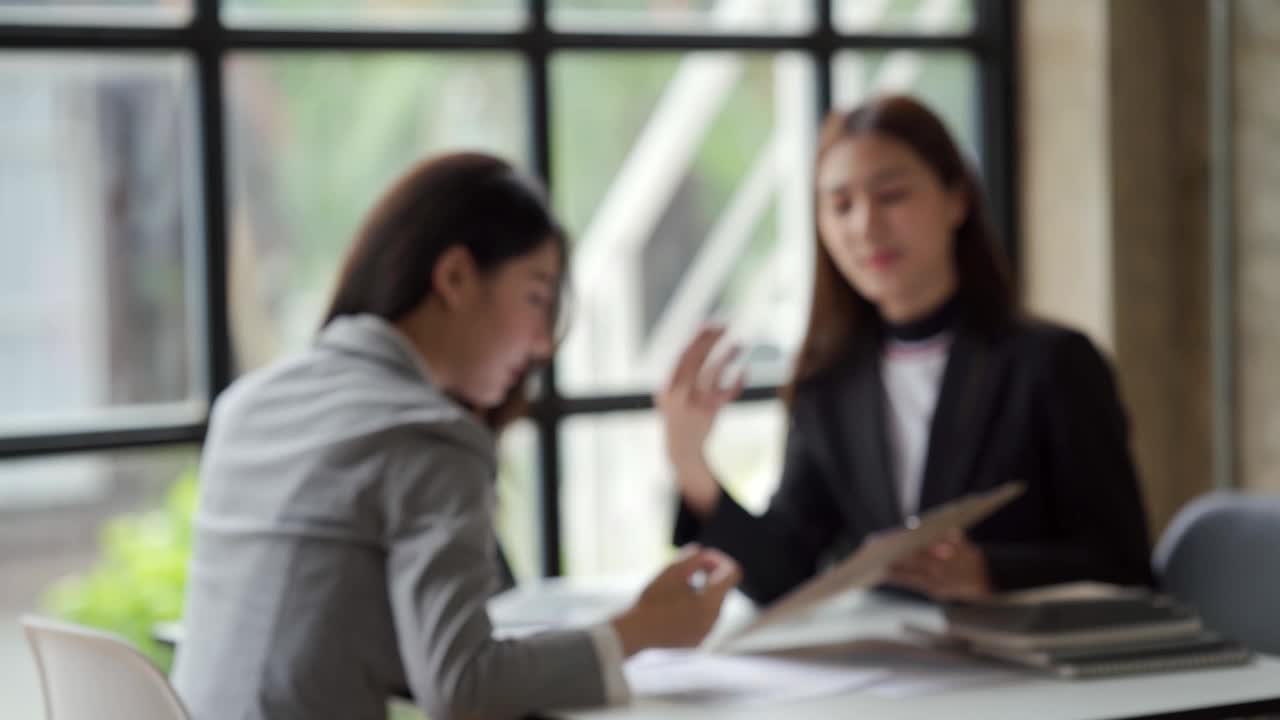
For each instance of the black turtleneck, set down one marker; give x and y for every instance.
(941, 319)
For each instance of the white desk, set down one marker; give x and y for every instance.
(1020, 695)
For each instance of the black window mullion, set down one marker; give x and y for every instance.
(31, 446)
(996, 98)
(727, 41)
(823, 50)
(208, 48)
(63, 37)
(206, 29)
(548, 414)
(600, 404)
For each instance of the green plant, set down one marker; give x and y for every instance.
(139, 578)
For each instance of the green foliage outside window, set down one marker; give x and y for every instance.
(139, 578)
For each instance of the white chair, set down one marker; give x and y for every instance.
(91, 675)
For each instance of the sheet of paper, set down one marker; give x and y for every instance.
(909, 669)
(871, 562)
(934, 671)
(690, 676)
(909, 684)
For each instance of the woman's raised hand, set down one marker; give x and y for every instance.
(689, 404)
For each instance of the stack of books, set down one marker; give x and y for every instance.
(1087, 630)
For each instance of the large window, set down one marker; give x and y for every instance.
(179, 179)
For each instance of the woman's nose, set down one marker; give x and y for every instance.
(861, 219)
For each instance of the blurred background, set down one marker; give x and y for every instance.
(178, 182)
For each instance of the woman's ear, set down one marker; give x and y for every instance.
(455, 277)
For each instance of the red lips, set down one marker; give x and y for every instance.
(882, 259)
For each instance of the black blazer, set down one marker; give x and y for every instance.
(1036, 403)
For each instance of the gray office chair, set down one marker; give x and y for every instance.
(1221, 554)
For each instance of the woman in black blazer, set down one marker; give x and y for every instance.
(918, 382)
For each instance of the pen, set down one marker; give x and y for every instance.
(698, 580)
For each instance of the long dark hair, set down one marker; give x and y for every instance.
(477, 201)
(841, 319)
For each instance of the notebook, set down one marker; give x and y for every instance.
(1074, 623)
(1195, 651)
(1214, 654)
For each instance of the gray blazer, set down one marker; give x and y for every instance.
(344, 551)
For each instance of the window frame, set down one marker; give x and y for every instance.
(207, 42)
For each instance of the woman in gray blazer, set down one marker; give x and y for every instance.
(344, 543)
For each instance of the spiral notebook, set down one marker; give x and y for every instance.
(1076, 623)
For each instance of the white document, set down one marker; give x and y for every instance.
(868, 566)
(690, 676)
(936, 671)
(931, 681)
